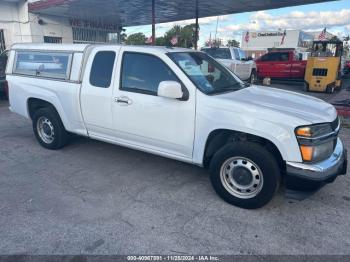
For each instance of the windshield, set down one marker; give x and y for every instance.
(207, 74)
(218, 53)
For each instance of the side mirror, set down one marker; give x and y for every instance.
(170, 89)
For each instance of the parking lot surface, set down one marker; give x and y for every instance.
(96, 198)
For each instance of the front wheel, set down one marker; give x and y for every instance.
(253, 77)
(48, 129)
(245, 174)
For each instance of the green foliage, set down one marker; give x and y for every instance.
(185, 36)
(233, 43)
(136, 39)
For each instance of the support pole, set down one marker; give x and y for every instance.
(197, 27)
(153, 22)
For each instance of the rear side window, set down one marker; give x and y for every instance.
(236, 54)
(275, 56)
(142, 73)
(218, 53)
(102, 69)
(43, 64)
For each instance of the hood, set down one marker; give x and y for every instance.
(306, 108)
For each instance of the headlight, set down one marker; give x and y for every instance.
(317, 153)
(316, 142)
(314, 131)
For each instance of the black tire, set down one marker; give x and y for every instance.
(306, 87)
(60, 136)
(253, 79)
(263, 159)
(339, 88)
(330, 89)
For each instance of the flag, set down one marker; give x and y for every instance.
(246, 38)
(322, 36)
(149, 40)
(283, 37)
(174, 40)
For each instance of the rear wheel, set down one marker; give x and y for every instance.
(340, 86)
(245, 174)
(48, 129)
(330, 89)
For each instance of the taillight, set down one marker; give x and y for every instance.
(6, 89)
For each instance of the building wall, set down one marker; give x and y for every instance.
(52, 26)
(20, 26)
(14, 21)
(260, 41)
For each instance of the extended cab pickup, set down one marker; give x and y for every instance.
(164, 101)
(281, 65)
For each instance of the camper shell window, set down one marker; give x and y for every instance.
(43, 64)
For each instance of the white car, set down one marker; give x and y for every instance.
(236, 60)
(165, 101)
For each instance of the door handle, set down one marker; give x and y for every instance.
(123, 100)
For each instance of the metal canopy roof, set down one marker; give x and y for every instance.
(138, 12)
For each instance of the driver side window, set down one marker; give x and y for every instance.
(142, 73)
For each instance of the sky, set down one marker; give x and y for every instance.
(335, 16)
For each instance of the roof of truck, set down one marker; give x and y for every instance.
(50, 47)
(82, 47)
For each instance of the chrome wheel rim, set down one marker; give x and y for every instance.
(252, 79)
(241, 177)
(45, 130)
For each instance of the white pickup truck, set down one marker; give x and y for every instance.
(164, 101)
(236, 60)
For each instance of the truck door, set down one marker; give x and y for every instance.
(281, 65)
(264, 65)
(298, 67)
(96, 95)
(144, 120)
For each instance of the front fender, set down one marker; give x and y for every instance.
(284, 140)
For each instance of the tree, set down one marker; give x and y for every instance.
(184, 34)
(136, 39)
(233, 43)
(160, 41)
(215, 42)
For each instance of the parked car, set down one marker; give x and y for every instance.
(281, 65)
(165, 101)
(3, 83)
(236, 60)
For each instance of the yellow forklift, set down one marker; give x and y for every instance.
(323, 69)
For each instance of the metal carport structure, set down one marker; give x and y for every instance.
(143, 12)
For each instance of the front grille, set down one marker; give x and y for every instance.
(320, 72)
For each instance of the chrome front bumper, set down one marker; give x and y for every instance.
(323, 171)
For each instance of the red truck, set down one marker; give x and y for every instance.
(281, 65)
